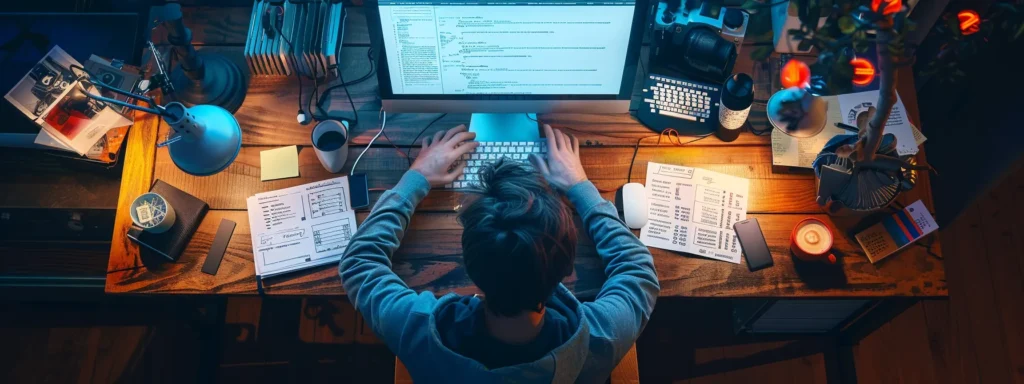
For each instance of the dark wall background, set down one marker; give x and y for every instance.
(974, 127)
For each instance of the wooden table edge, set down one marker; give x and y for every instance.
(136, 179)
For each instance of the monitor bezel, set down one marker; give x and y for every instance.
(625, 89)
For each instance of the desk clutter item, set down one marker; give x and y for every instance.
(811, 240)
(867, 189)
(300, 227)
(737, 96)
(188, 213)
(490, 151)
(279, 163)
(634, 205)
(53, 96)
(854, 106)
(689, 107)
(798, 113)
(330, 141)
(696, 39)
(693, 210)
(219, 246)
(897, 231)
(152, 213)
(295, 36)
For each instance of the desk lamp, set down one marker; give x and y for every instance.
(794, 110)
(206, 138)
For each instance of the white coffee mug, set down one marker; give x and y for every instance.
(333, 157)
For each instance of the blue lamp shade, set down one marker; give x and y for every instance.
(208, 138)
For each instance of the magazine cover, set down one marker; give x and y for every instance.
(53, 98)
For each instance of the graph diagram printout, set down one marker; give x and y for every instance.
(300, 227)
(692, 210)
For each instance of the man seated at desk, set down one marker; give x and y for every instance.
(519, 242)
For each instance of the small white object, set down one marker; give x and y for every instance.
(634, 205)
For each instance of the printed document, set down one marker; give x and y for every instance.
(907, 140)
(693, 210)
(300, 227)
(790, 151)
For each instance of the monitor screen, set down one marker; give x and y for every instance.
(466, 47)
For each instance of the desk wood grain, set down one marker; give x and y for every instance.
(430, 256)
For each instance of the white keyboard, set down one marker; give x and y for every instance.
(681, 99)
(489, 152)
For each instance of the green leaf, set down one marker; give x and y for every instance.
(761, 53)
(751, 4)
(846, 25)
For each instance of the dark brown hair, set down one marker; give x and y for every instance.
(519, 238)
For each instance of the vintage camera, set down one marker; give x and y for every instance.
(697, 38)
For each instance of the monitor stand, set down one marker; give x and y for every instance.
(505, 126)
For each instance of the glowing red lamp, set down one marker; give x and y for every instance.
(970, 22)
(795, 74)
(863, 72)
(891, 6)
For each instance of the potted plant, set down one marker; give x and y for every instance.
(853, 166)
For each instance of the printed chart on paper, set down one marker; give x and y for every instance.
(692, 210)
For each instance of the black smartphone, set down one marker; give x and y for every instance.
(359, 191)
(755, 248)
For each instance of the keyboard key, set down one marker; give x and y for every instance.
(677, 115)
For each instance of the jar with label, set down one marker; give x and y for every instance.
(737, 96)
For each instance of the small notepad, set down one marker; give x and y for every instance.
(897, 231)
(279, 163)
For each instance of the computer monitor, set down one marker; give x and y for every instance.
(503, 60)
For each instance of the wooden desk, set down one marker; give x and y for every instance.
(430, 255)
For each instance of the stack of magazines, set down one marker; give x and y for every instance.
(294, 36)
(53, 96)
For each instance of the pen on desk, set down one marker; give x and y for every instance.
(847, 127)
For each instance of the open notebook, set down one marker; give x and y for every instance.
(300, 227)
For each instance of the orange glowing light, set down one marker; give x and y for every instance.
(891, 6)
(863, 72)
(795, 74)
(970, 22)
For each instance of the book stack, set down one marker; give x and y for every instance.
(295, 36)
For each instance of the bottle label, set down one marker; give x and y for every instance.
(731, 119)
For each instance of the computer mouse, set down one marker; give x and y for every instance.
(634, 205)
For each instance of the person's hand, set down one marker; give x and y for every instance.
(441, 151)
(562, 168)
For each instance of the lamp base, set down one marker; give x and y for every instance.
(223, 84)
(814, 108)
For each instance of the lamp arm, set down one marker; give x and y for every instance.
(156, 109)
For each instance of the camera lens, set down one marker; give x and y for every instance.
(107, 78)
(708, 52)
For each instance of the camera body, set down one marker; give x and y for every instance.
(697, 38)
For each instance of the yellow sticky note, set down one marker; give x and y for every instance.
(279, 163)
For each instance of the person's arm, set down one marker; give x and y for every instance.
(626, 300)
(383, 298)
